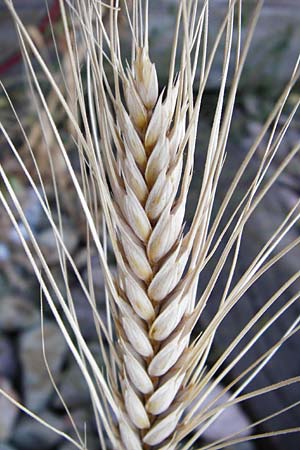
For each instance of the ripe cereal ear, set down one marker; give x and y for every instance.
(136, 145)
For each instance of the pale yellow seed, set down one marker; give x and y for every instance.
(138, 298)
(134, 178)
(137, 258)
(137, 336)
(163, 428)
(167, 356)
(168, 276)
(154, 130)
(135, 408)
(136, 216)
(162, 398)
(169, 318)
(170, 103)
(158, 161)
(137, 110)
(129, 437)
(146, 78)
(161, 196)
(136, 371)
(165, 233)
(132, 140)
(175, 138)
(175, 175)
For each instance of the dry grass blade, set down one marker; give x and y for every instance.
(136, 146)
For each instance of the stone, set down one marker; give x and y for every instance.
(66, 446)
(243, 446)
(92, 444)
(85, 423)
(232, 419)
(17, 313)
(84, 315)
(4, 252)
(32, 435)
(273, 52)
(73, 389)
(37, 384)
(275, 43)
(97, 274)
(8, 358)
(31, 12)
(285, 363)
(83, 418)
(47, 241)
(8, 410)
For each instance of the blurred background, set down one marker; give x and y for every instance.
(270, 63)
